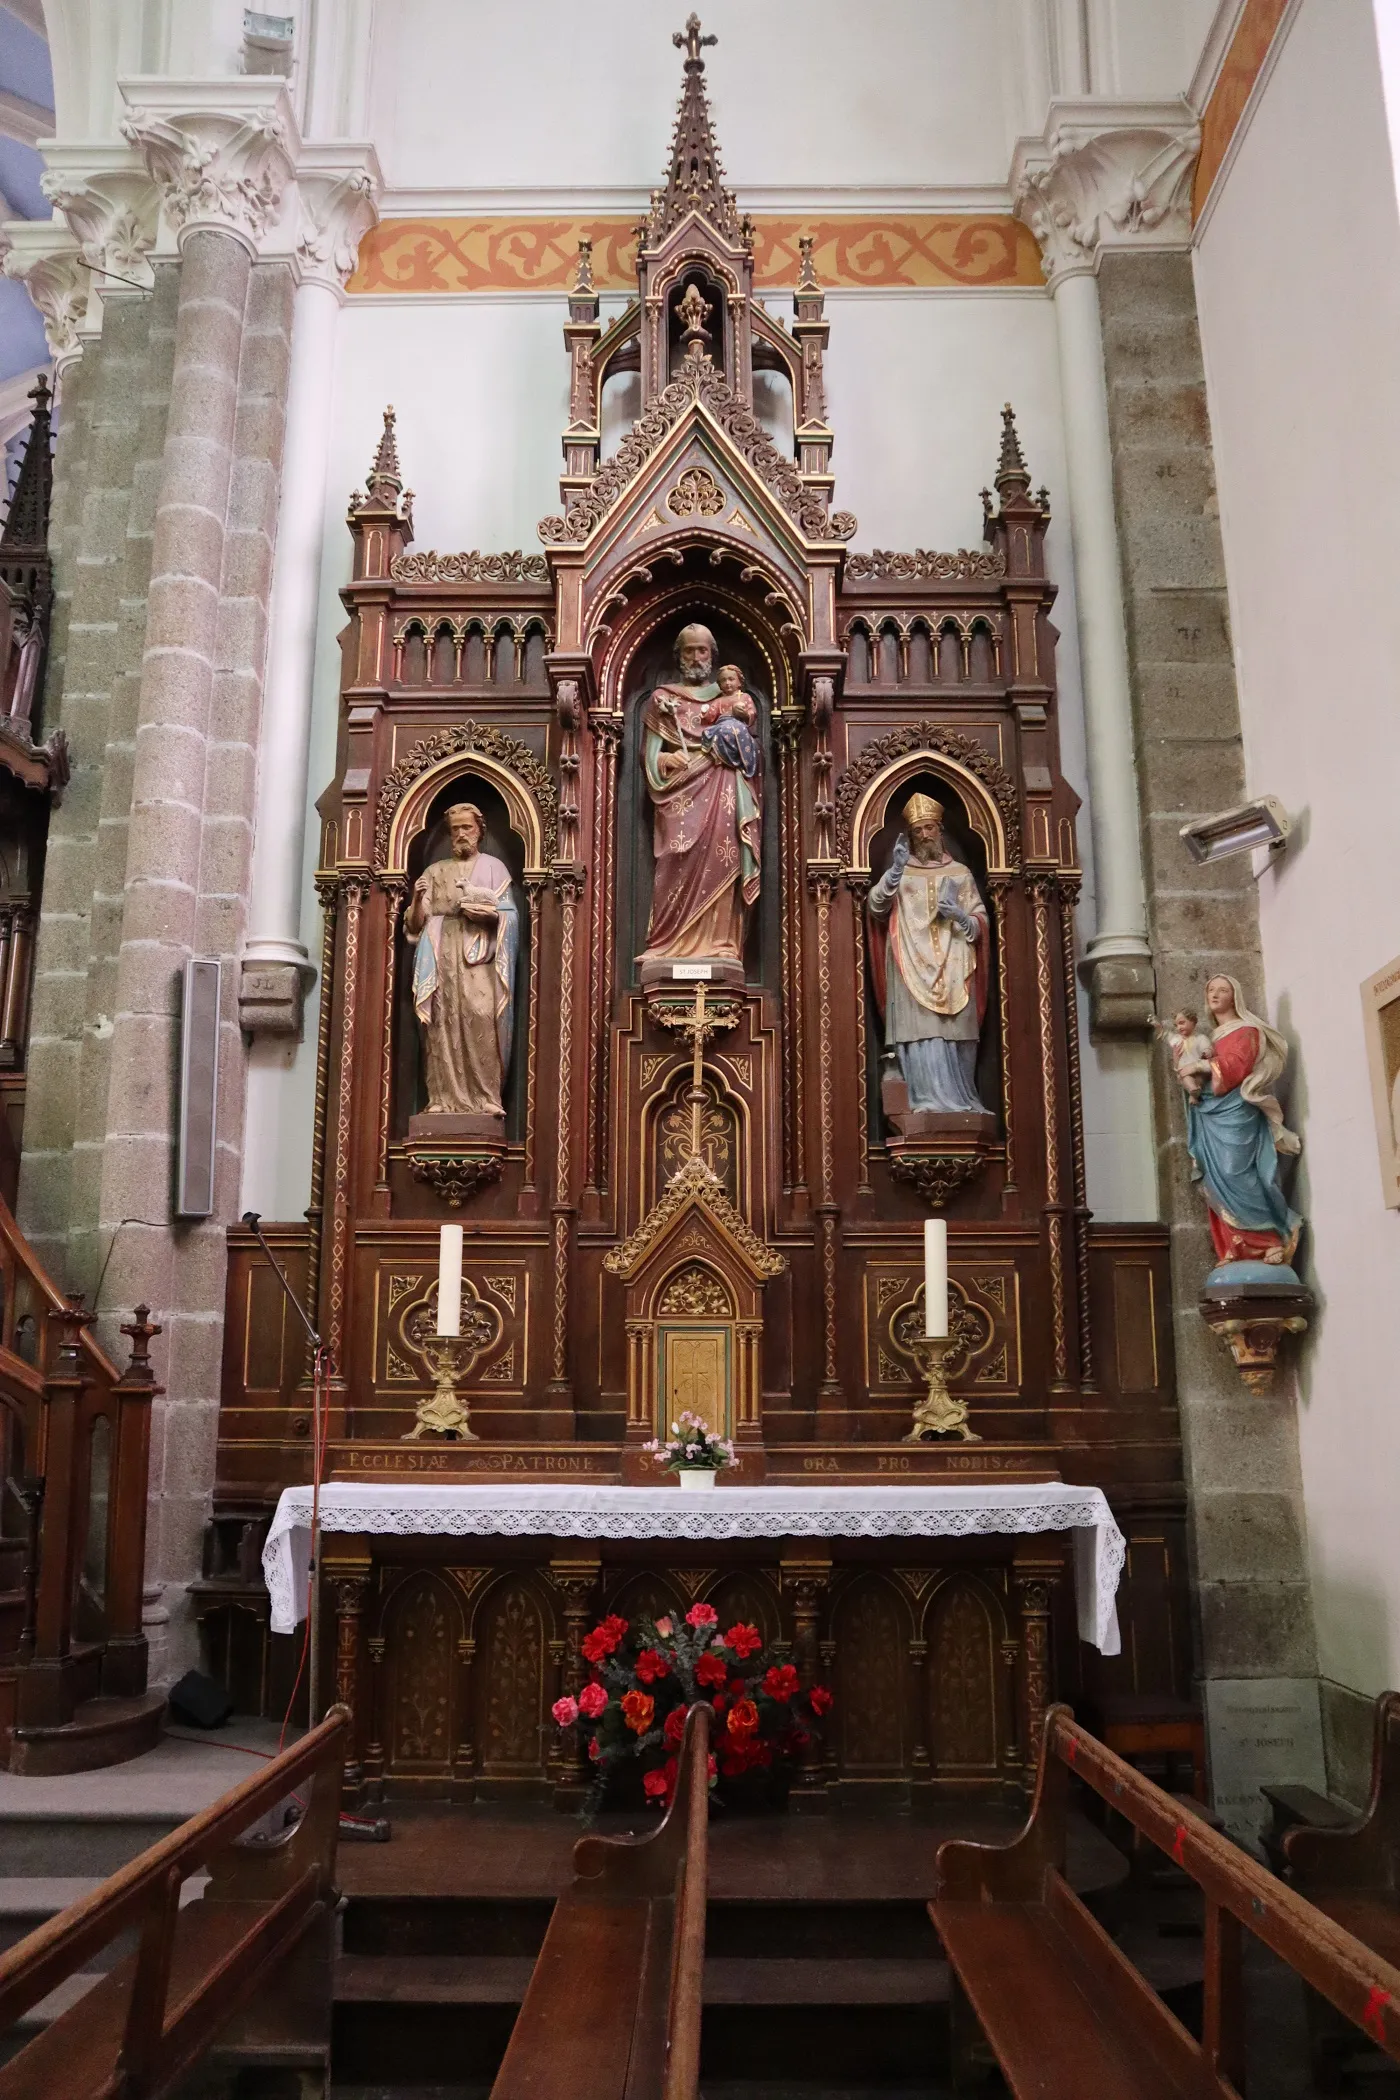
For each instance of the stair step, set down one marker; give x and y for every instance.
(853, 1980)
(501, 1979)
(101, 1732)
(432, 1979)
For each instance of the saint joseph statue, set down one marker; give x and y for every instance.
(707, 803)
(463, 919)
(929, 952)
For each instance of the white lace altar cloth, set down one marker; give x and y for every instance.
(662, 1513)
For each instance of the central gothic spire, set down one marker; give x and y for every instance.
(695, 177)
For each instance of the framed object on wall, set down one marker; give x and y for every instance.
(1380, 1000)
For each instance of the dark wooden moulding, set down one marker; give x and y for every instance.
(513, 678)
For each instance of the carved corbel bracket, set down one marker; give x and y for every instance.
(1253, 1322)
(456, 1176)
(935, 1176)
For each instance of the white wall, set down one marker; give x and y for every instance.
(916, 387)
(1298, 280)
(550, 94)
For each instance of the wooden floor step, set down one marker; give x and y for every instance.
(486, 1979)
(431, 1979)
(852, 1981)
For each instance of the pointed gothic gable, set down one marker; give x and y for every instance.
(755, 460)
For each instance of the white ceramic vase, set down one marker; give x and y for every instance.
(698, 1479)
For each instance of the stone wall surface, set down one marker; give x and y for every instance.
(1247, 1526)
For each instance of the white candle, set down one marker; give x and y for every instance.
(449, 1320)
(935, 1276)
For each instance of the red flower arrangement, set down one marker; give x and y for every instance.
(646, 1677)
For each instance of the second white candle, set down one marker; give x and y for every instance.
(449, 1318)
(935, 1276)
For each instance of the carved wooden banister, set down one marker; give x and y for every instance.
(76, 1447)
(259, 1901)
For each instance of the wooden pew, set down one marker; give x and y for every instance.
(149, 2021)
(612, 2011)
(1063, 2010)
(1352, 1873)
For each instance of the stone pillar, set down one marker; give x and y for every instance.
(336, 207)
(220, 155)
(1084, 183)
(1249, 1551)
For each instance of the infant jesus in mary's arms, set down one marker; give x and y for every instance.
(1191, 1050)
(729, 722)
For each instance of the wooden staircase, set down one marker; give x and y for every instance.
(74, 1457)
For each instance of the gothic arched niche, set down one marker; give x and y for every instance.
(508, 1666)
(963, 1675)
(432, 843)
(871, 1632)
(965, 843)
(422, 1628)
(652, 663)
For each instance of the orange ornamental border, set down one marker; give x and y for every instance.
(1249, 47)
(918, 252)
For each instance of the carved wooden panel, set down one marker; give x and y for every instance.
(748, 1600)
(963, 1672)
(422, 1629)
(871, 1634)
(495, 1314)
(984, 1315)
(650, 1596)
(719, 1136)
(509, 1682)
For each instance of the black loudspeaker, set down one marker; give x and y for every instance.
(199, 1701)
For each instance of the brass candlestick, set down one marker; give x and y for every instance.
(939, 1413)
(443, 1412)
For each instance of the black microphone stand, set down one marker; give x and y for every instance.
(375, 1828)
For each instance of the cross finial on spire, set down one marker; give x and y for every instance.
(690, 40)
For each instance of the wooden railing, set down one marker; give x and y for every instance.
(139, 2031)
(692, 1888)
(74, 1458)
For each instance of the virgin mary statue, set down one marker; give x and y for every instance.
(1236, 1132)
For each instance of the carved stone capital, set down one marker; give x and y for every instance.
(337, 201)
(220, 152)
(112, 208)
(1106, 175)
(45, 259)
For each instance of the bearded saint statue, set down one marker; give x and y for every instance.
(704, 772)
(929, 953)
(465, 929)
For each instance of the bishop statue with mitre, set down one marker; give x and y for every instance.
(930, 953)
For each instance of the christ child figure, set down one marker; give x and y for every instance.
(1191, 1050)
(730, 719)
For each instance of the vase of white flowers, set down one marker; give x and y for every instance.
(692, 1454)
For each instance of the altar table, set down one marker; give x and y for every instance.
(663, 1513)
